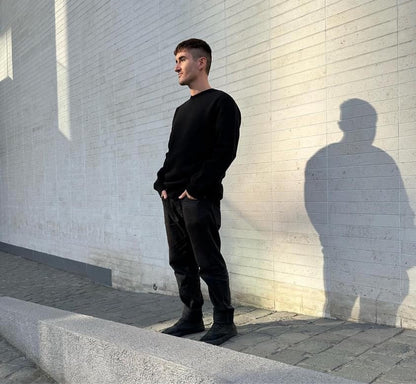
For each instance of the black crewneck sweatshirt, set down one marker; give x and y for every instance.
(202, 145)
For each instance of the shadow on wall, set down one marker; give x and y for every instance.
(355, 199)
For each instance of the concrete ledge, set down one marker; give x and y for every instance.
(75, 348)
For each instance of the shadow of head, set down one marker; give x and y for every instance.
(358, 120)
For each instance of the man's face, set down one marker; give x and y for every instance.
(187, 68)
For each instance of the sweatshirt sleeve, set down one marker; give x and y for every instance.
(159, 184)
(227, 131)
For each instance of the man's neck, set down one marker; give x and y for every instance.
(202, 86)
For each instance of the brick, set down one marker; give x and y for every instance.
(355, 12)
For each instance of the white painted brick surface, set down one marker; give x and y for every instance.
(311, 223)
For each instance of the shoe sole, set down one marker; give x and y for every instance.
(184, 333)
(220, 340)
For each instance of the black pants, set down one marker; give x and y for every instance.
(192, 228)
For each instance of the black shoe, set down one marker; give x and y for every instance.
(185, 327)
(219, 333)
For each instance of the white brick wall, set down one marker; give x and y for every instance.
(311, 223)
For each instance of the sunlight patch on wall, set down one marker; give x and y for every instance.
(6, 59)
(62, 78)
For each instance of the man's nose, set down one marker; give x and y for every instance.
(177, 68)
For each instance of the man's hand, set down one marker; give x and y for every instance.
(164, 195)
(186, 194)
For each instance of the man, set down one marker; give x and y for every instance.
(202, 145)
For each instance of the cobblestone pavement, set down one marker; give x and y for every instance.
(16, 369)
(367, 353)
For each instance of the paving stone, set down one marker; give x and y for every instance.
(311, 346)
(247, 319)
(273, 331)
(408, 362)
(391, 348)
(258, 314)
(8, 354)
(289, 356)
(26, 375)
(401, 375)
(300, 317)
(352, 346)
(406, 337)
(249, 340)
(250, 328)
(328, 322)
(243, 310)
(409, 333)
(382, 380)
(347, 329)
(326, 361)
(44, 380)
(310, 329)
(328, 337)
(292, 322)
(290, 338)
(357, 371)
(15, 368)
(7, 369)
(235, 346)
(385, 362)
(263, 349)
(284, 316)
(377, 335)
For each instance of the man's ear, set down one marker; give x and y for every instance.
(202, 61)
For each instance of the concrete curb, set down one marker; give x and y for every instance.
(74, 348)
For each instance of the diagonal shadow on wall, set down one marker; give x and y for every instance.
(356, 200)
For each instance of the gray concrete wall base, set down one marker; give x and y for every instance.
(74, 348)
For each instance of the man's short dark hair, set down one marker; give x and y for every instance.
(198, 48)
